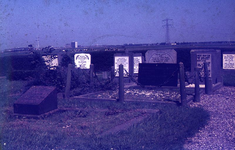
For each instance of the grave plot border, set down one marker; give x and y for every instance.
(81, 98)
(86, 98)
(131, 122)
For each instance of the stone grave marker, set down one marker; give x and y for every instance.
(123, 59)
(82, 60)
(229, 61)
(201, 58)
(137, 58)
(129, 61)
(161, 56)
(213, 59)
(158, 74)
(51, 61)
(36, 101)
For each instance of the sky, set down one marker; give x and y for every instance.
(114, 22)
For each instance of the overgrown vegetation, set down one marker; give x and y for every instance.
(32, 68)
(168, 129)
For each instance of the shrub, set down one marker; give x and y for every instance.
(32, 67)
(22, 67)
(65, 60)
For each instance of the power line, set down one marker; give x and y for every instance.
(167, 25)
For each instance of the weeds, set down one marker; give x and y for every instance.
(79, 128)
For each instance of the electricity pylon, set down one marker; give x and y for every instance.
(167, 25)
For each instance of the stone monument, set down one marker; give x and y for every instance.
(213, 59)
(82, 60)
(36, 101)
(51, 61)
(161, 56)
(138, 59)
(125, 60)
(158, 74)
(229, 61)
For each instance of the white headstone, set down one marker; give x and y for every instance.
(229, 61)
(82, 60)
(124, 60)
(161, 56)
(137, 61)
(51, 61)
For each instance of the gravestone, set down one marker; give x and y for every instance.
(51, 61)
(129, 61)
(137, 58)
(82, 60)
(213, 59)
(36, 101)
(161, 56)
(229, 61)
(158, 74)
(125, 60)
(228, 67)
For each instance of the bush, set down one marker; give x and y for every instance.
(22, 67)
(80, 83)
(32, 67)
(80, 80)
(65, 60)
(21, 74)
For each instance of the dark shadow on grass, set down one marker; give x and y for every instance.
(168, 130)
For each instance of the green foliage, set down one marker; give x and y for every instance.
(80, 80)
(65, 60)
(48, 49)
(23, 67)
(32, 68)
(80, 83)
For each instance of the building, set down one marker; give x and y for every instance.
(74, 44)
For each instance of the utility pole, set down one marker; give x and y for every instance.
(167, 25)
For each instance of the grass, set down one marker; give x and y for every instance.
(79, 127)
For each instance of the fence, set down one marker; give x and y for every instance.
(183, 95)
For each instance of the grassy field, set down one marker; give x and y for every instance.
(78, 124)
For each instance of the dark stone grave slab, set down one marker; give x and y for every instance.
(158, 74)
(36, 101)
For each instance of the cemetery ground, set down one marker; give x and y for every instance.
(119, 125)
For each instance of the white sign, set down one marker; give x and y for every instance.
(201, 58)
(82, 61)
(228, 61)
(51, 61)
(137, 61)
(124, 60)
